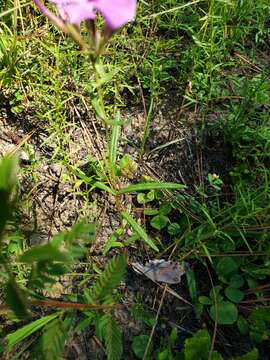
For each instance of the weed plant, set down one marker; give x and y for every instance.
(212, 58)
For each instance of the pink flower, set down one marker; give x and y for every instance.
(115, 12)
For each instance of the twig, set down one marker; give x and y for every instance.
(66, 305)
(154, 326)
(215, 326)
(266, 299)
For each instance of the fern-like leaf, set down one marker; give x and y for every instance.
(110, 278)
(51, 344)
(111, 336)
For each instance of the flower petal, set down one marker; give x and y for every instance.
(116, 12)
(75, 11)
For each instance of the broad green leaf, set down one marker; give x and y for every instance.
(159, 222)
(128, 167)
(205, 300)
(139, 230)
(27, 330)
(150, 212)
(236, 281)
(144, 198)
(226, 266)
(242, 325)
(216, 356)
(252, 355)
(198, 346)
(105, 76)
(143, 315)
(165, 208)
(215, 295)
(261, 313)
(225, 313)
(164, 355)
(150, 186)
(8, 171)
(233, 294)
(139, 344)
(174, 229)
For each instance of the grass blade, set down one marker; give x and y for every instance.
(25, 331)
(151, 186)
(139, 230)
(114, 141)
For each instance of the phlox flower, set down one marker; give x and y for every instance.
(115, 12)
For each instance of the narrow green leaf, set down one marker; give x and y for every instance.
(139, 230)
(104, 187)
(16, 300)
(8, 170)
(80, 174)
(192, 286)
(99, 109)
(113, 146)
(25, 331)
(150, 186)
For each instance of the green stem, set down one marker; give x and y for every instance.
(147, 126)
(110, 166)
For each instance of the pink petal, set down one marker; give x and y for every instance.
(75, 11)
(116, 12)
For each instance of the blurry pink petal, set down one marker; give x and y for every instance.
(75, 11)
(116, 12)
